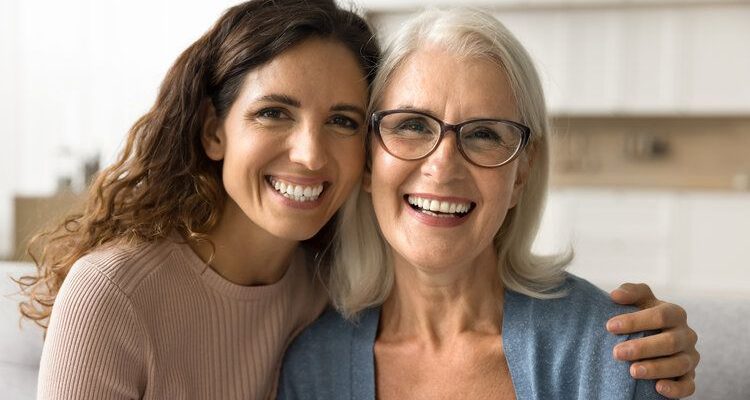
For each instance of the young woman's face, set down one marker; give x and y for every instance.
(453, 90)
(292, 143)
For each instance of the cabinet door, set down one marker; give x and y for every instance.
(652, 74)
(717, 61)
(591, 84)
(617, 236)
(715, 254)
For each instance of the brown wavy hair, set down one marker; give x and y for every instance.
(163, 182)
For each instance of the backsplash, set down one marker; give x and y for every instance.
(650, 152)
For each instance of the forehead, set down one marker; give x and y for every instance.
(451, 86)
(321, 68)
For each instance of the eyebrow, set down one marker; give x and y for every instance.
(291, 101)
(408, 107)
(280, 98)
(349, 108)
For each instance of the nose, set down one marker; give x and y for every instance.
(307, 147)
(445, 163)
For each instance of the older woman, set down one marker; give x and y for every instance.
(446, 300)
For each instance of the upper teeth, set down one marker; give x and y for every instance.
(297, 192)
(437, 205)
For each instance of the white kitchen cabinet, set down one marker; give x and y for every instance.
(631, 58)
(715, 254)
(652, 74)
(656, 60)
(616, 235)
(697, 241)
(717, 59)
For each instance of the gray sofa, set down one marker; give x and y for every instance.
(20, 342)
(723, 324)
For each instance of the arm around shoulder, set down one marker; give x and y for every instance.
(95, 344)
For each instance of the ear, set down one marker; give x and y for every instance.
(213, 137)
(367, 181)
(525, 163)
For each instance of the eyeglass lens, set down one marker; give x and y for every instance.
(412, 136)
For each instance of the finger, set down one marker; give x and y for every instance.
(665, 343)
(636, 294)
(661, 368)
(661, 316)
(675, 389)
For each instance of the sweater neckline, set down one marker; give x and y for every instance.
(363, 348)
(230, 289)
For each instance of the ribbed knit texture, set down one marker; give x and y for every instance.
(155, 322)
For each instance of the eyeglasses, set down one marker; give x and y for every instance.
(412, 135)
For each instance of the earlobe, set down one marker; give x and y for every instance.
(212, 136)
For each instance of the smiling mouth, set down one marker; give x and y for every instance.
(438, 208)
(296, 192)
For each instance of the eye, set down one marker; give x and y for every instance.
(344, 122)
(484, 134)
(413, 125)
(271, 113)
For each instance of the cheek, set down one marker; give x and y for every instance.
(387, 171)
(245, 155)
(497, 192)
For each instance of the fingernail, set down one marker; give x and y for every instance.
(614, 325)
(640, 371)
(622, 289)
(624, 352)
(663, 388)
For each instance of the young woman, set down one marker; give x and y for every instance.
(192, 265)
(444, 299)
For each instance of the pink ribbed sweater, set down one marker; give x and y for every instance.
(154, 322)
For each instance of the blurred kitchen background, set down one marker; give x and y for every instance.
(650, 100)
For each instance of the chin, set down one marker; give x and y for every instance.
(295, 233)
(434, 261)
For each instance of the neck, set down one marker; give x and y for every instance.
(244, 253)
(438, 304)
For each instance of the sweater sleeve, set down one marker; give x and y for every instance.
(95, 343)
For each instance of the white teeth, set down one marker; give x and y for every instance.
(444, 207)
(297, 192)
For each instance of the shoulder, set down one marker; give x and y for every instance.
(582, 307)
(543, 334)
(107, 283)
(100, 285)
(319, 363)
(126, 266)
(94, 323)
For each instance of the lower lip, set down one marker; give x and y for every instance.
(440, 222)
(301, 205)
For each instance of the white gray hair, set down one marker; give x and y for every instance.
(362, 274)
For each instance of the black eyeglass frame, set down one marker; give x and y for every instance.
(378, 116)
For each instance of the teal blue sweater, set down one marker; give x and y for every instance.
(555, 349)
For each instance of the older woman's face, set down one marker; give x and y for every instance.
(454, 90)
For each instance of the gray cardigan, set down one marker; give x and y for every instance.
(555, 349)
